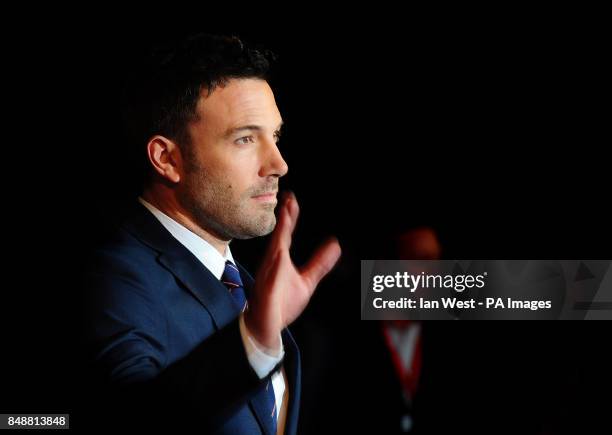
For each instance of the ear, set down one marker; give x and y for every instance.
(165, 157)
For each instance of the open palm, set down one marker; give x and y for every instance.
(282, 290)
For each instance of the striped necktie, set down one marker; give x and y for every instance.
(231, 279)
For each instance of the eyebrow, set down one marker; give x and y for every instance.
(234, 130)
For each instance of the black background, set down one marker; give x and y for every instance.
(491, 132)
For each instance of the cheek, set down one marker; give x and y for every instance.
(225, 184)
(234, 173)
(241, 177)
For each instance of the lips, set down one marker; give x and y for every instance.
(270, 196)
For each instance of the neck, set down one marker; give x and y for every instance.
(167, 204)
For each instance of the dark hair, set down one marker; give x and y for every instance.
(161, 95)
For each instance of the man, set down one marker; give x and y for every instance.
(175, 320)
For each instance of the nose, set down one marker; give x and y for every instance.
(273, 163)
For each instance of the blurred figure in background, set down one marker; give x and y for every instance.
(403, 338)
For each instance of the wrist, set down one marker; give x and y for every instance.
(266, 337)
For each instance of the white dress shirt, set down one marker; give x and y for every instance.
(262, 359)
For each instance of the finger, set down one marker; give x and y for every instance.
(287, 218)
(293, 211)
(322, 261)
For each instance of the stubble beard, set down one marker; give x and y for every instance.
(214, 208)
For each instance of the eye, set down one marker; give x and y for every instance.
(245, 140)
(277, 136)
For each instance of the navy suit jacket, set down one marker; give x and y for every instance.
(164, 333)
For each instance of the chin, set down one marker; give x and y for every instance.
(260, 227)
(266, 229)
(267, 226)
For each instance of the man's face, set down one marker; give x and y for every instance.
(232, 168)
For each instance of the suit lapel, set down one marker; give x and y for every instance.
(179, 261)
(203, 285)
(293, 372)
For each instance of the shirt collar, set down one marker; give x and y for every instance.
(203, 251)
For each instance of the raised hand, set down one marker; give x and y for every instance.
(283, 290)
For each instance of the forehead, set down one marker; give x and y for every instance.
(239, 102)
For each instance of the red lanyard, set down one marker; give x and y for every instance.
(403, 339)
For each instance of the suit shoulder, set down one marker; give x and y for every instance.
(124, 257)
